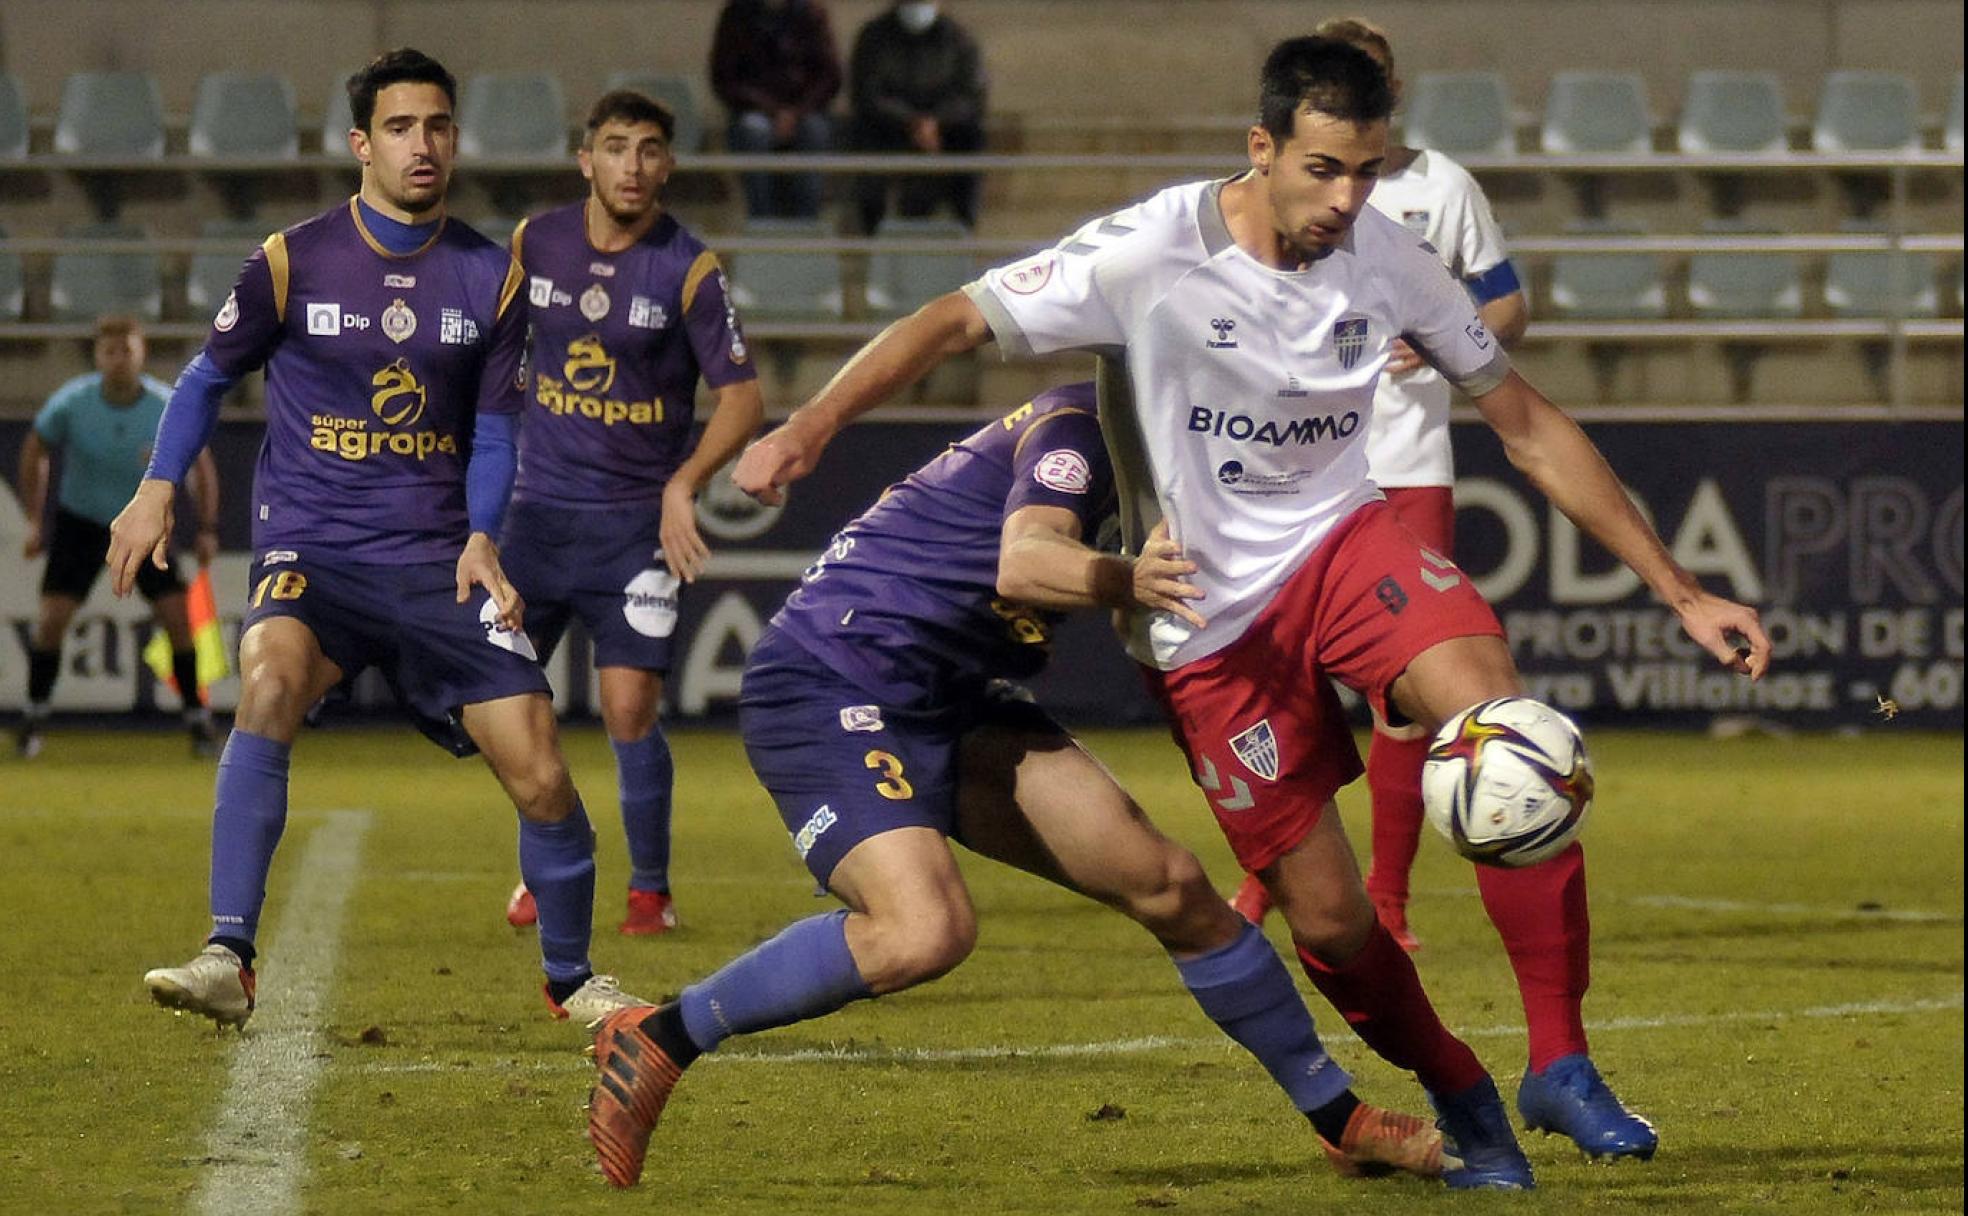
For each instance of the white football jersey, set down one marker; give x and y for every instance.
(1437, 200)
(1237, 402)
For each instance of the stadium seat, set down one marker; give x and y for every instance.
(1608, 286)
(1460, 113)
(1741, 285)
(243, 114)
(1861, 285)
(335, 117)
(903, 282)
(677, 93)
(87, 285)
(110, 114)
(1730, 112)
(13, 285)
(212, 274)
(512, 115)
(1597, 112)
(13, 118)
(790, 285)
(1951, 136)
(1866, 112)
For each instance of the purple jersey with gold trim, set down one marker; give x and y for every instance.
(619, 342)
(904, 602)
(376, 368)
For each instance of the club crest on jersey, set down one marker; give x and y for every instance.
(1064, 470)
(1258, 749)
(594, 302)
(228, 314)
(1224, 327)
(399, 322)
(861, 719)
(1349, 340)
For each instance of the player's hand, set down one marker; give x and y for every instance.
(1730, 631)
(1161, 577)
(1402, 358)
(478, 566)
(32, 547)
(206, 546)
(775, 461)
(142, 529)
(683, 545)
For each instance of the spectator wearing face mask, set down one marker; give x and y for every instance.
(774, 66)
(917, 86)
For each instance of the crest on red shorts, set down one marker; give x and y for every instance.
(1258, 749)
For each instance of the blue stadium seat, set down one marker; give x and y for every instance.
(87, 285)
(1733, 112)
(512, 115)
(1746, 285)
(1597, 112)
(1866, 112)
(1460, 113)
(1608, 286)
(211, 276)
(110, 114)
(244, 114)
(13, 285)
(1861, 285)
(674, 91)
(13, 118)
(903, 282)
(790, 285)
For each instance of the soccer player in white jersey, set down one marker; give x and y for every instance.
(1244, 325)
(1539, 911)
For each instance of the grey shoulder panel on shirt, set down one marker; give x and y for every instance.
(1484, 378)
(1011, 339)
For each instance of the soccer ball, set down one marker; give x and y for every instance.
(1508, 782)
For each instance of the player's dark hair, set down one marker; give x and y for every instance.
(627, 105)
(1362, 33)
(404, 65)
(1325, 75)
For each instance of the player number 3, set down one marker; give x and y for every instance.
(892, 785)
(286, 585)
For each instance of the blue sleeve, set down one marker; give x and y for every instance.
(489, 476)
(189, 418)
(1495, 283)
(51, 423)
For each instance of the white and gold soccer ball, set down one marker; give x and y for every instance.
(1508, 782)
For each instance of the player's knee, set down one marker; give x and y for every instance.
(273, 696)
(931, 943)
(540, 787)
(1173, 891)
(1333, 927)
(628, 718)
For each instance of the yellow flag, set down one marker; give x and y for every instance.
(207, 639)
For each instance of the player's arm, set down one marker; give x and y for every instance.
(1042, 562)
(1549, 448)
(204, 487)
(899, 356)
(494, 462)
(740, 409)
(33, 482)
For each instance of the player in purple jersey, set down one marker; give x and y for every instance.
(629, 310)
(876, 711)
(394, 348)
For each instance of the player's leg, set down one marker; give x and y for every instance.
(51, 624)
(282, 671)
(1540, 912)
(1033, 799)
(631, 700)
(169, 606)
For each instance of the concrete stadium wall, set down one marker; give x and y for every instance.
(1094, 58)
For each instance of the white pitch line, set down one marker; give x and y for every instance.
(258, 1149)
(1148, 1043)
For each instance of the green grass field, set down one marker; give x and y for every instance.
(1778, 984)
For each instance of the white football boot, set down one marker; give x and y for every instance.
(593, 1001)
(215, 984)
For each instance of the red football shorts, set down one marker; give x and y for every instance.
(1266, 736)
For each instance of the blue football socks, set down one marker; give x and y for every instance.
(803, 973)
(248, 815)
(556, 860)
(646, 774)
(1245, 989)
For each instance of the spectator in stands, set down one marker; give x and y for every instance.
(917, 86)
(774, 66)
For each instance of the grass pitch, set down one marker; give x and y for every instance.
(1778, 984)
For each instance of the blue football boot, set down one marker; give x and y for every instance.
(1569, 1097)
(1476, 1129)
